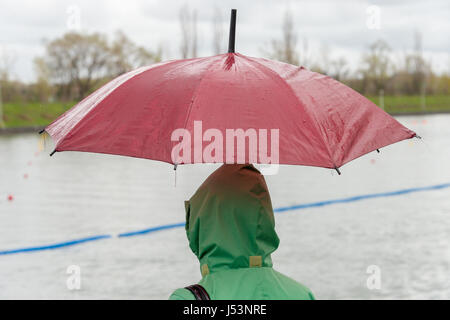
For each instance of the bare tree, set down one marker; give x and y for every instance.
(126, 55)
(325, 58)
(419, 76)
(43, 90)
(339, 68)
(194, 34)
(412, 71)
(322, 63)
(326, 64)
(188, 24)
(286, 49)
(218, 32)
(289, 39)
(304, 57)
(7, 60)
(376, 67)
(185, 35)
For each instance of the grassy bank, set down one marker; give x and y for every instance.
(41, 114)
(32, 113)
(413, 104)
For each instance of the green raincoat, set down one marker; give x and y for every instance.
(231, 229)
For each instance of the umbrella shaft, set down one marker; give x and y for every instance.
(232, 31)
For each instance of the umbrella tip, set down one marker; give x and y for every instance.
(175, 169)
(337, 170)
(231, 40)
(53, 152)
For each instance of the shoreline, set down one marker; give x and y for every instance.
(36, 129)
(14, 130)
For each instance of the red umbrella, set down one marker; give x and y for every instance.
(227, 108)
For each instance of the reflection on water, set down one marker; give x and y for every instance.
(74, 195)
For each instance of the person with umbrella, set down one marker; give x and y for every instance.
(152, 113)
(231, 229)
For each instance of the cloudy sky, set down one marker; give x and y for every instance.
(342, 28)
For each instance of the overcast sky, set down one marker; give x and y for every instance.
(344, 27)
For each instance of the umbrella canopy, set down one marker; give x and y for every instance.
(227, 108)
(320, 121)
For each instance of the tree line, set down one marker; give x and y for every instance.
(380, 70)
(76, 64)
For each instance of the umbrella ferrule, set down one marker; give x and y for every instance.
(232, 37)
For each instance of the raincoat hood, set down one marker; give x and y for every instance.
(230, 222)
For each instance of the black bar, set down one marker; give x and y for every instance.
(231, 40)
(226, 309)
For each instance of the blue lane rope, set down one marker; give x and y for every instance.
(362, 197)
(139, 232)
(277, 210)
(56, 245)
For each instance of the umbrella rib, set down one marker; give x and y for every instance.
(194, 95)
(299, 102)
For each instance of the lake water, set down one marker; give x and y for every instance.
(75, 195)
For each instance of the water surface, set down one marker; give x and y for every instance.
(74, 195)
